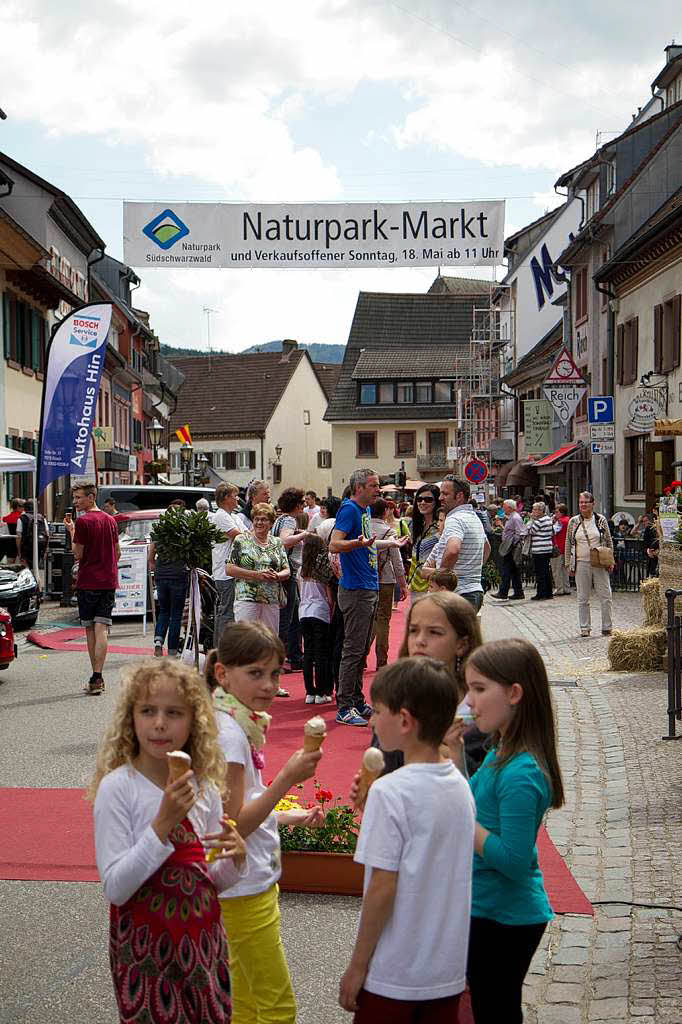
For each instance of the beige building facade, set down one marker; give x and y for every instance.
(421, 446)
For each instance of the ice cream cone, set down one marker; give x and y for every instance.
(372, 766)
(314, 734)
(178, 763)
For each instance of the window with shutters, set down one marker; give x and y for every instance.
(627, 344)
(405, 444)
(245, 459)
(581, 295)
(634, 463)
(24, 334)
(324, 460)
(276, 473)
(667, 335)
(366, 444)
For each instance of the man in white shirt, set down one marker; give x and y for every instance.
(257, 492)
(226, 496)
(311, 507)
(463, 545)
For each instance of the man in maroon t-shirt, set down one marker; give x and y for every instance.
(94, 539)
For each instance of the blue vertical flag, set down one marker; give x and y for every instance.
(75, 360)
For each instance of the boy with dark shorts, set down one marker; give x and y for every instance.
(94, 539)
(416, 842)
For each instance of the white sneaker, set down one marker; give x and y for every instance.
(309, 698)
(323, 700)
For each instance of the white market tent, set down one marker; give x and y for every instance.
(20, 462)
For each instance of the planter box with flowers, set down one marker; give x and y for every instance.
(320, 860)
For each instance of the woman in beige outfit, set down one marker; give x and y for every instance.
(589, 530)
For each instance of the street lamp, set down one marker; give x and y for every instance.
(186, 452)
(155, 430)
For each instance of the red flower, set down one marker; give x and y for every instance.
(324, 796)
(667, 490)
(676, 483)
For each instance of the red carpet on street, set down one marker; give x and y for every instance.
(47, 833)
(73, 639)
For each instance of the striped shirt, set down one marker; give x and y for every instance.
(463, 523)
(542, 532)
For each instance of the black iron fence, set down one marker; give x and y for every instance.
(674, 629)
(632, 565)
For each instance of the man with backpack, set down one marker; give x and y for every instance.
(24, 536)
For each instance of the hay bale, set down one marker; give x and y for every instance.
(638, 650)
(651, 602)
(670, 572)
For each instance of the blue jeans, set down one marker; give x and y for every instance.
(171, 594)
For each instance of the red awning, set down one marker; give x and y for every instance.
(558, 456)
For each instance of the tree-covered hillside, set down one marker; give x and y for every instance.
(319, 352)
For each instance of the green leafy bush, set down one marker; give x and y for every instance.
(185, 536)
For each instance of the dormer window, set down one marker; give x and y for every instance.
(368, 394)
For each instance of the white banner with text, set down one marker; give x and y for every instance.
(313, 235)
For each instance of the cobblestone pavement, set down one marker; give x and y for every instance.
(620, 830)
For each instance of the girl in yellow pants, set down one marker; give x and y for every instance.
(244, 677)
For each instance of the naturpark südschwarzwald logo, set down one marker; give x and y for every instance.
(166, 229)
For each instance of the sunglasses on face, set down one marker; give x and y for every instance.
(425, 501)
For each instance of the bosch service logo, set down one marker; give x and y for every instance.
(166, 229)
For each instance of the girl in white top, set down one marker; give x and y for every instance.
(167, 942)
(244, 677)
(314, 614)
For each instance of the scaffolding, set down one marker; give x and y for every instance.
(478, 372)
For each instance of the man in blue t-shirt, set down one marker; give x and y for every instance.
(353, 541)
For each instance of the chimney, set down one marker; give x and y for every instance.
(672, 51)
(289, 345)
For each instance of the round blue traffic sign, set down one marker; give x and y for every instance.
(475, 471)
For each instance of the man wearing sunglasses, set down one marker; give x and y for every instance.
(463, 545)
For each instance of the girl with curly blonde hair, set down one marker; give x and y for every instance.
(167, 944)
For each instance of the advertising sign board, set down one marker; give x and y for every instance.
(538, 417)
(331, 236)
(131, 596)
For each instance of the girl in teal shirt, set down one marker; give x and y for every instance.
(517, 783)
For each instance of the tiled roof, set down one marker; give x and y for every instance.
(391, 322)
(459, 286)
(406, 362)
(232, 394)
(328, 375)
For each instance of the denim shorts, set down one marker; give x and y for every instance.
(95, 606)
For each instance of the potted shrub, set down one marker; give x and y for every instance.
(321, 859)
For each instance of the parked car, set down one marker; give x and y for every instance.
(135, 527)
(8, 648)
(19, 594)
(132, 497)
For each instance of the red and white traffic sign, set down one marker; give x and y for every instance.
(564, 370)
(476, 471)
(565, 387)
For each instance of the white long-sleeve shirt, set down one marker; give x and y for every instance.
(128, 849)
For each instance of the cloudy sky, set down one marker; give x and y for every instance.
(313, 100)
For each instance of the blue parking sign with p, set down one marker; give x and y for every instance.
(600, 409)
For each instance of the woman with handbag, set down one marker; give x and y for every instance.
(589, 557)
